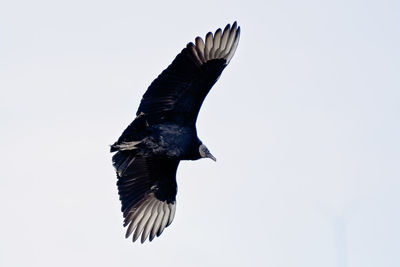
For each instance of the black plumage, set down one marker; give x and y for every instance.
(164, 132)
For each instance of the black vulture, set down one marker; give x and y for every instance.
(164, 133)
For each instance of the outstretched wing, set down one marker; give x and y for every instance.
(179, 91)
(147, 189)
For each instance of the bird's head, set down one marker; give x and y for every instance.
(205, 153)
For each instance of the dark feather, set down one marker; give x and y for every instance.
(144, 176)
(178, 92)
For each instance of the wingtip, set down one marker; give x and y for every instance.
(149, 219)
(227, 27)
(220, 45)
(234, 25)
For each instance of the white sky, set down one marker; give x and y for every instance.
(304, 123)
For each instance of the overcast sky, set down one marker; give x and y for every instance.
(304, 122)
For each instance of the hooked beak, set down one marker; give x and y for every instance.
(209, 155)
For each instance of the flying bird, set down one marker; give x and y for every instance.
(164, 133)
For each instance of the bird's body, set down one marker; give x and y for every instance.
(167, 140)
(164, 133)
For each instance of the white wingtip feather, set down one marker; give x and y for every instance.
(231, 38)
(224, 38)
(143, 221)
(157, 222)
(200, 48)
(234, 46)
(164, 220)
(209, 44)
(150, 222)
(221, 45)
(149, 218)
(136, 216)
(172, 208)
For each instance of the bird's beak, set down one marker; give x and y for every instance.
(209, 155)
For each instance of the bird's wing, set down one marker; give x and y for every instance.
(178, 92)
(147, 189)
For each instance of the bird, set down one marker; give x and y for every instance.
(164, 132)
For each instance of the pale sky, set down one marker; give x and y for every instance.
(304, 123)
